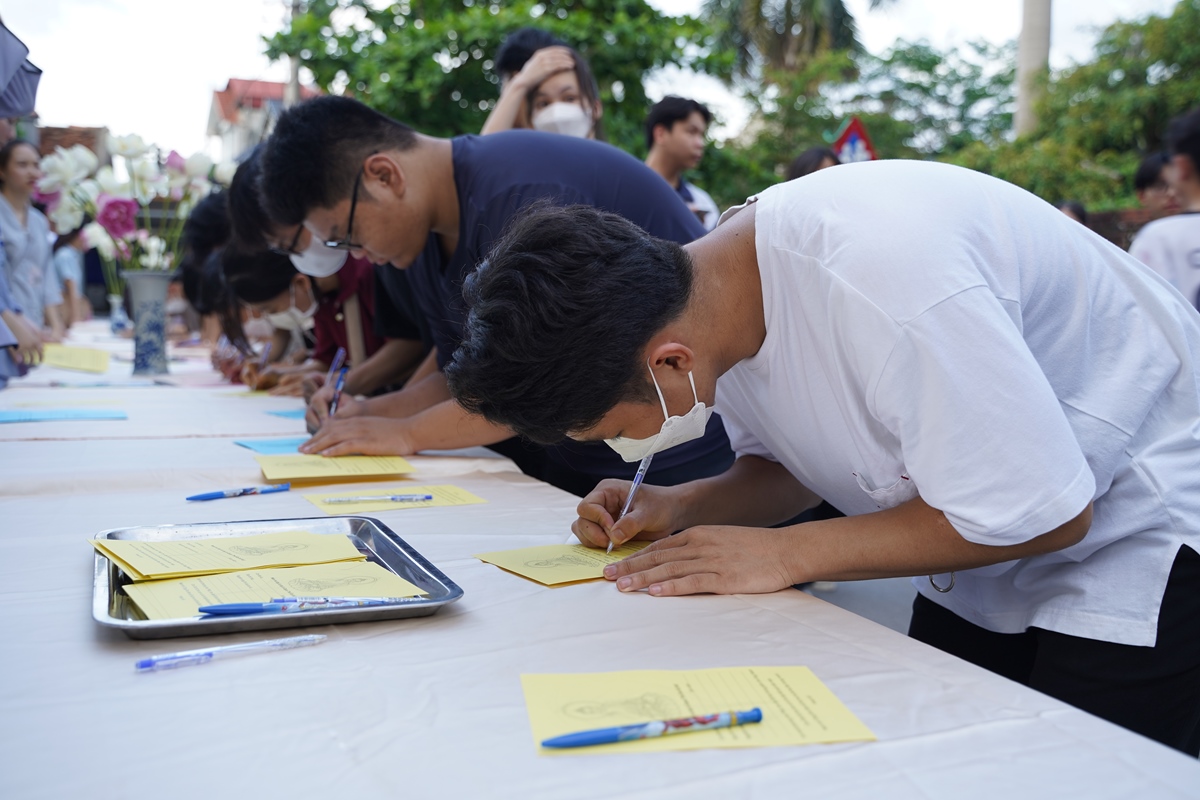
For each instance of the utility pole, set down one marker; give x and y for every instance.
(1033, 60)
(291, 92)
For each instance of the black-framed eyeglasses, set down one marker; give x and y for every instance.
(345, 243)
(290, 250)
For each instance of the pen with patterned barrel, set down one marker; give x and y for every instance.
(650, 730)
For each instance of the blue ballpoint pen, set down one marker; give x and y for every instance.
(278, 487)
(266, 354)
(187, 658)
(650, 730)
(292, 606)
(337, 392)
(338, 358)
(637, 482)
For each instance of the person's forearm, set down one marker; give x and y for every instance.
(412, 399)
(447, 426)
(427, 367)
(911, 539)
(505, 115)
(754, 492)
(391, 363)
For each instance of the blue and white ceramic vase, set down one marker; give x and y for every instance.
(148, 299)
(118, 320)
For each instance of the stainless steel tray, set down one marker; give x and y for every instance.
(111, 606)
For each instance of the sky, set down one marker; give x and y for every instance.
(150, 66)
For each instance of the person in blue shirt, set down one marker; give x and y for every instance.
(376, 187)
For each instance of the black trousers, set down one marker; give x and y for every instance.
(1154, 691)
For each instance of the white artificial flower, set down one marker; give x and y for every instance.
(130, 146)
(148, 181)
(198, 165)
(60, 170)
(67, 215)
(84, 159)
(109, 184)
(90, 190)
(154, 255)
(95, 236)
(223, 174)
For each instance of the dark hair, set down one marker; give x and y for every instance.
(203, 239)
(316, 151)
(7, 151)
(672, 109)
(1076, 208)
(810, 161)
(65, 239)
(256, 276)
(587, 87)
(560, 312)
(519, 46)
(1150, 170)
(247, 216)
(1183, 136)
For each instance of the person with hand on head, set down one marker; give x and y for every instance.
(361, 308)
(432, 207)
(675, 131)
(1171, 246)
(1151, 187)
(29, 264)
(526, 58)
(1036, 470)
(566, 100)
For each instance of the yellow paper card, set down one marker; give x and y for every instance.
(82, 359)
(559, 563)
(174, 559)
(444, 495)
(277, 469)
(796, 707)
(249, 393)
(183, 597)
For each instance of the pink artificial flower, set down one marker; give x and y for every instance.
(123, 249)
(48, 199)
(118, 215)
(176, 162)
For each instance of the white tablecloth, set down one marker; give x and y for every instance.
(432, 707)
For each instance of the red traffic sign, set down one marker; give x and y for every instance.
(853, 144)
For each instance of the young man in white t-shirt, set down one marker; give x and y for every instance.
(1003, 403)
(1171, 246)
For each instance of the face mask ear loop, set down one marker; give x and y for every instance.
(661, 399)
(695, 397)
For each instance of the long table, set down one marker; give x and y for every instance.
(432, 707)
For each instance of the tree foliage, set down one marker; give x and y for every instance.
(1096, 120)
(428, 62)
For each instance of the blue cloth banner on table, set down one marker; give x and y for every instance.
(273, 447)
(297, 413)
(55, 414)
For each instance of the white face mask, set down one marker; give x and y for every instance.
(675, 430)
(293, 319)
(317, 260)
(569, 119)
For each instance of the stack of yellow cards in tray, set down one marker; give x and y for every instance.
(173, 579)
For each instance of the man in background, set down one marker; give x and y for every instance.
(1150, 185)
(675, 131)
(1171, 246)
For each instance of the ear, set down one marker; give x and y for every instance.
(672, 356)
(660, 131)
(597, 111)
(384, 173)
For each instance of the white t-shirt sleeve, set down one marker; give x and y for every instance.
(983, 435)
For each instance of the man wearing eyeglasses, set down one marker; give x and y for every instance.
(368, 184)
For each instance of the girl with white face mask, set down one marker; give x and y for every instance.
(554, 92)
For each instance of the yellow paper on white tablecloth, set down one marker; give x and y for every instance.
(144, 560)
(796, 707)
(556, 564)
(82, 359)
(183, 597)
(443, 495)
(248, 393)
(277, 469)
